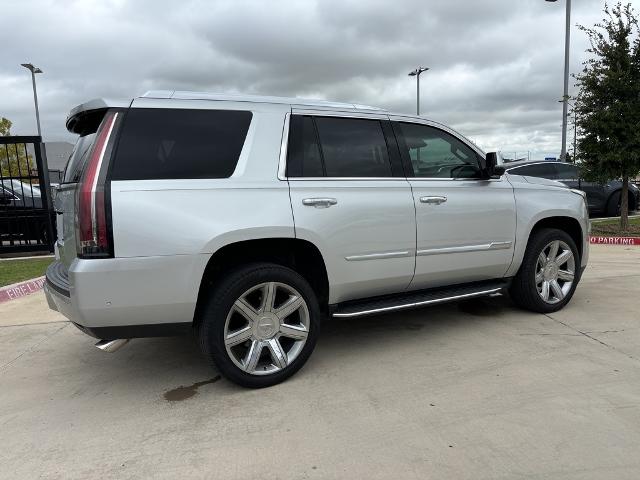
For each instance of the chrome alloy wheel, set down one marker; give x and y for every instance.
(555, 271)
(266, 328)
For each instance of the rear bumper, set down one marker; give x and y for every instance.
(127, 297)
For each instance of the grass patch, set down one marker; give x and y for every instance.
(612, 228)
(13, 271)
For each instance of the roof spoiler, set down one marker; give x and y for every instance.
(91, 109)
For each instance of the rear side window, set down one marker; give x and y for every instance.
(337, 147)
(303, 156)
(353, 147)
(173, 144)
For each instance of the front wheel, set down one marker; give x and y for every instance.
(260, 324)
(549, 272)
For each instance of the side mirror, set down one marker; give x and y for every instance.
(491, 167)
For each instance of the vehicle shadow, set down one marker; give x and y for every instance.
(175, 367)
(428, 320)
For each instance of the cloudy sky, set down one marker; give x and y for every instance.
(496, 65)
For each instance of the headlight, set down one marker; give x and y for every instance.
(579, 192)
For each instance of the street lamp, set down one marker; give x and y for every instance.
(565, 106)
(33, 71)
(416, 73)
(575, 126)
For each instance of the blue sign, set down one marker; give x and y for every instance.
(550, 159)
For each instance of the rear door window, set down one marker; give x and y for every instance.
(177, 143)
(353, 147)
(303, 156)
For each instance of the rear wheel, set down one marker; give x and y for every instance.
(549, 272)
(613, 205)
(260, 324)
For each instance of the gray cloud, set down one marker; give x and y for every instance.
(496, 66)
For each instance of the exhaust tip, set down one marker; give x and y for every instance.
(111, 346)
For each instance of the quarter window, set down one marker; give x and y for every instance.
(176, 143)
(434, 153)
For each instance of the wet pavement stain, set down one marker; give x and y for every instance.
(182, 393)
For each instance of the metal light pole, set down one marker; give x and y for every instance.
(565, 106)
(575, 126)
(33, 71)
(416, 73)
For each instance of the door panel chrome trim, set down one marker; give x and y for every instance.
(378, 256)
(418, 304)
(500, 245)
(466, 248)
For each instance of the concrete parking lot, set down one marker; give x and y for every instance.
(475, 390)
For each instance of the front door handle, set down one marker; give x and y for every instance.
(319, 202)
(436, 200)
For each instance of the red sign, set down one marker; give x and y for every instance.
(615, 240)
(20, 290)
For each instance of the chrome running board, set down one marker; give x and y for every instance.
(417, 299)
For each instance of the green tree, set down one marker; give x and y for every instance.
(5, 127)
(15, 161)
(608, 103)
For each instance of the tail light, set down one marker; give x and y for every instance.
(93, 239)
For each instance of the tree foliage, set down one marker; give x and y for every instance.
(608, 103)
(15, 161)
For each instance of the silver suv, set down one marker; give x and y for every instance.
(249, 219)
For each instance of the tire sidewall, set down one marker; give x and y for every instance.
(221, 299)
(528, 270)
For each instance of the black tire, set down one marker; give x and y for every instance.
(523, 290)
(613, 205)
(219, 303)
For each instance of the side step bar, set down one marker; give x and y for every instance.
(417, 299)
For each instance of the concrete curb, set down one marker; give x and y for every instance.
(627, 241)
(21, 289)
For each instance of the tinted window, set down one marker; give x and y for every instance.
(567, 172)
(165, 144)
(303, 155)
(353, 147)
(436, 154)
(78, 158)
(542, 170)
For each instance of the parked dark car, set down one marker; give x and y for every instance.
(602, 198)
(20, 212)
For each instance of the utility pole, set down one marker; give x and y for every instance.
(565, 106)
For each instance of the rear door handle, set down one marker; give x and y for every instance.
(436, 200)
(319, 202)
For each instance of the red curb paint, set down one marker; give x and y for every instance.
(19, 290)
(615, 240)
